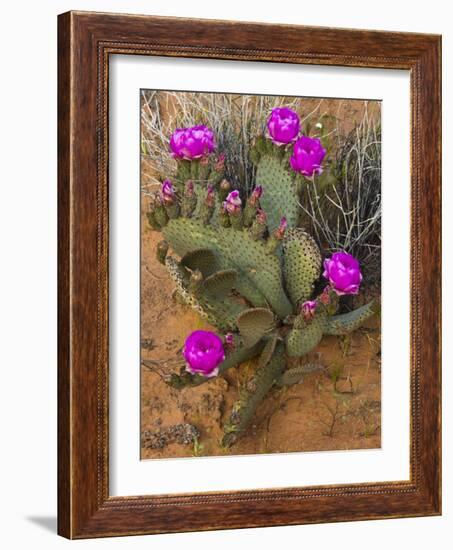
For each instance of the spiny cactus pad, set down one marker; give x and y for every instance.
(348, 322)
(301, 264)
(202, 259)
(300, 341)
(279, 192)
(220, 284)
(254, 324)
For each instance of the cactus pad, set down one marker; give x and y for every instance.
(279, 197)
(301, 264)
(221, 283)
(202, 259)
(268, 351)
(300, 341)
(348, 322)
(254, 323)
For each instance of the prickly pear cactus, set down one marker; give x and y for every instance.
(246, 265)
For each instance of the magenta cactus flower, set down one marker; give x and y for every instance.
(283, 125)
(307, 157)
(343, 272)
(167, 191)
(232, 203)
(203, 352)
(192, 143)
(308, 309)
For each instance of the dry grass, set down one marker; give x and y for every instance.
(344, 211)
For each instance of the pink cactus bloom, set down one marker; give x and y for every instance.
(167, 191)
(343, 273)
(203, 352)
(308, 309)
(283, 125)
(192, 143)
(233, 202)
(307, 157)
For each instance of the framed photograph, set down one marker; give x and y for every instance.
(249, 275)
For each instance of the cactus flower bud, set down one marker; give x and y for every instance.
(192, 143)
(229, 340)
(283, 125)
(343, 273)
(224, 189)
(220, 163)
(307, 157)
(160, 214)
(308, 309)
(251, 206)
(189, 201)
(280, 231)
(225, 185)
(256, 195)
(232, 203)
(261, 217)
(167, 192)
(324, 297)
(275, 238)
(207, 209)
(259, 227)
(203, 352)
(210, 197)
(224, 218)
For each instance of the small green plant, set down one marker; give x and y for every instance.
(197, 447)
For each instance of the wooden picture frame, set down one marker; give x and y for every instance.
(85, 41)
